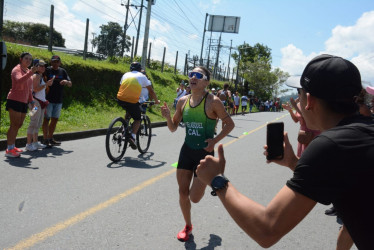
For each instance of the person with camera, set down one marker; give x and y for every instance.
(19, 96)
(36, 119)
(199, 111)
(55, 94)
(337, 166)
(128, 95)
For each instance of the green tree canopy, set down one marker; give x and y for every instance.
(110, 40)
(30, 33)
(255, 68)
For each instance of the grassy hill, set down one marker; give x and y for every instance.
(91, 102)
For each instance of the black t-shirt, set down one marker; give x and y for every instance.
(338, 167)
(56, 91)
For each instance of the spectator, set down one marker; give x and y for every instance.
(55, 94)
(337, 167)
(17, 101)
(180, 93)
(214, 92)
(370, 91)
(244, 103)
(41, 103)
(305, 135)
(236, 103)
(252, 102)
(226, 98)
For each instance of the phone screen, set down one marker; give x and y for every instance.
(274, 140)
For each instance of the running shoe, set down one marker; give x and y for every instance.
(132, 142)
(54, 143)
(12, 153)
(184, 235)
(46, 143)
(30, 147)
(18, 150)
(39, 145)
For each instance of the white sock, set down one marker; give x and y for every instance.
(133, 135)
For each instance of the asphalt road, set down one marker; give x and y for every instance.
(73, 197)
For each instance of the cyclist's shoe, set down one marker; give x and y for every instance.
(331, 211)
(54, 143)
(12, 153)
(184, 235)
(132, 142)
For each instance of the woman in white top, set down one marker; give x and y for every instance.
(36, 119)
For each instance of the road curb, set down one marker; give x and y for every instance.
(21, 141)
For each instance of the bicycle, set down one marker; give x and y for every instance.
(119, 132)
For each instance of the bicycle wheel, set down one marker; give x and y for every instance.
(143, 137)
(115, 142)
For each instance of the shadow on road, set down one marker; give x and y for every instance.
(214, 241)
(25, 161)
(143, 161)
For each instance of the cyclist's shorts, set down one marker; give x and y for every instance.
(190, 158)
(132, 108)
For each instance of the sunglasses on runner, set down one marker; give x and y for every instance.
(198, 75)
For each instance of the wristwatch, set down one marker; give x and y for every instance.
(218, 182)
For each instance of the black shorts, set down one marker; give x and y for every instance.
(190, 158)
(16, 106)
(132, 108)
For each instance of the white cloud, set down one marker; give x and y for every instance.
(160, 27)
(354, 43)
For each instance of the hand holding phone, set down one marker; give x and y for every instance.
(274, 141)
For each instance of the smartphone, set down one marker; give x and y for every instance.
(274, 140)
(35, 63)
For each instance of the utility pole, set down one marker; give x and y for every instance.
(210, 42)
(228, 65)
(146, 33)
(237, 70)
(202, 44)
(93, 37)
(125, 28)
(86, 40)
(51, 28)
(137, 34)
(217, 59)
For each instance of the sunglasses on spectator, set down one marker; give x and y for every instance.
(299, 91)
(197, 75)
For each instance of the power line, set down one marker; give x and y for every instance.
(186, 16)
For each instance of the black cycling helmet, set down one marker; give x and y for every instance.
(135, 66)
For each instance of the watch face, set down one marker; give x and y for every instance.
(219, 182)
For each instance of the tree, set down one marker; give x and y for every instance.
(109, 42)
(31, 33)
(255, 68)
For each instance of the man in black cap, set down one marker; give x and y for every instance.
(337, 167)
(55, 97)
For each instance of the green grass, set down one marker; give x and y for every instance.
(90, 103)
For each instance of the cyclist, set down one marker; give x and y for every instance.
(130, 89)
(199, 111)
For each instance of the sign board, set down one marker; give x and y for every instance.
(227, 24)
(3, 55)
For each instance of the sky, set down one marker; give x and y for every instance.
(294, 30)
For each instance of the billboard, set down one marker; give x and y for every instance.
(227, 24)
